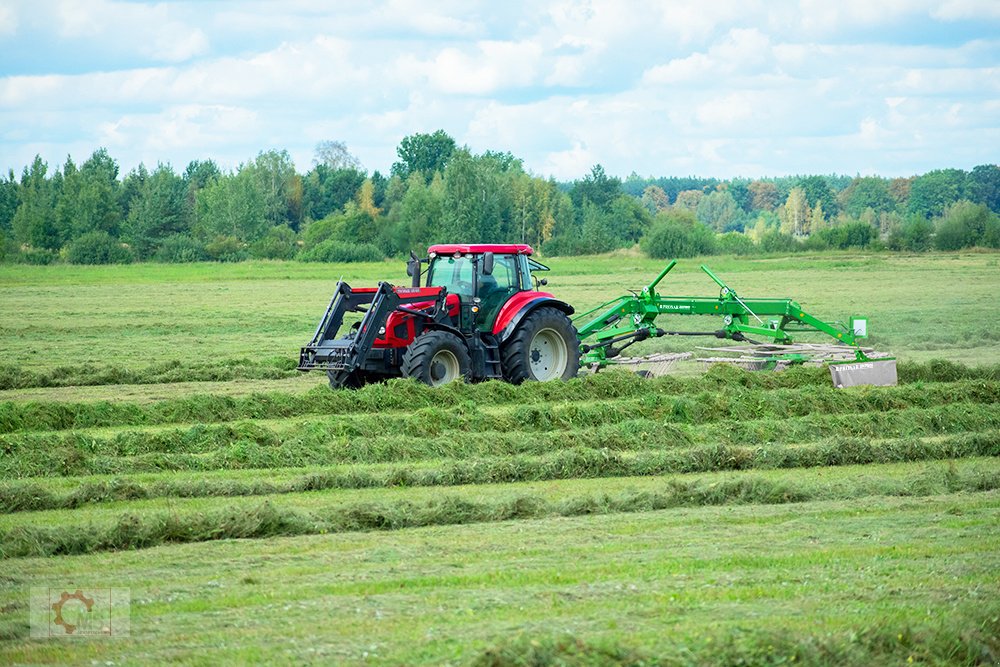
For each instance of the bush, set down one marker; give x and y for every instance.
(854, 234)
(278, 243)
(97, 248)
(180, 248)
(227, 249)
(734, 243)
(678, 234)
(339, 251)
(963, 225)
(36, 256)
(991, 236)
(774, 241)
(916, 234)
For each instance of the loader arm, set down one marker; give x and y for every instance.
(347, 354)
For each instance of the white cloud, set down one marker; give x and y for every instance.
(953, 10)
(489, 67)
(8, 20)
(741, 50)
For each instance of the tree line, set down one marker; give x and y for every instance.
(438, 191)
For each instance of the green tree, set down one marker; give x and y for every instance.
(983, 186)
(233, 206)
(426, 153)
(739, 189)
(478, 202)
(933, 192)
(866, 192)
(9, 199)
(419, 214)
(629, 218)
(67, 195)
(198, 175)
(34, 223)
(96, 205)
(274, 176)
(132, 188)
(326, 190)
(597, 187)
(157, 211)
(717, 210)
(817, 189)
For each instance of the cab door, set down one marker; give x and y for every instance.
(494, 290)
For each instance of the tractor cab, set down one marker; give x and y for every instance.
(484, 277)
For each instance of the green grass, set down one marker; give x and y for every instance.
(154, 436)
(831, 579)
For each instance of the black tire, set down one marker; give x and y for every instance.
(436, 358)
(545, 335)
(355, 380)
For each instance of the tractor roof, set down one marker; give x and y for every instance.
(477, 248)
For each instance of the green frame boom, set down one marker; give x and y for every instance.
(630, 319)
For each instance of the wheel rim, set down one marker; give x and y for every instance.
(444, 368)
(547, 355)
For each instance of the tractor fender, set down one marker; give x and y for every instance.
(520, 306)
(440, 326)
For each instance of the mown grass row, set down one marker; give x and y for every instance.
(577, 462)
(429, 433)
(251, 445)
(266, 519)
(87, 375)
(457, 407)
(13, 376)
(961, 637)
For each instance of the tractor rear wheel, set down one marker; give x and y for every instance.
(544, 347)
(436, 358)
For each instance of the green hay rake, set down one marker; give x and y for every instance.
(767, 325)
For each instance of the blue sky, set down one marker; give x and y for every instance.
(722, 88)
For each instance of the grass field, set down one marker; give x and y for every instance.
(154, 436)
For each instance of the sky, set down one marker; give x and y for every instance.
(719, 88)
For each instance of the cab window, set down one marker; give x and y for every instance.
(454, 273)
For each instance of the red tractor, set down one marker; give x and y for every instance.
(478, 317)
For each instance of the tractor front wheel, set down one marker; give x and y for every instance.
(436, 358)
(544, 347)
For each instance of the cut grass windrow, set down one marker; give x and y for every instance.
(87, 375)
(365, 439)
(14, 376)
(581, 402)
(266, 519)
(967, 638)
(578, 462)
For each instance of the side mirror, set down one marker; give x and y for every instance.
(413, 269)
(487, 264)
